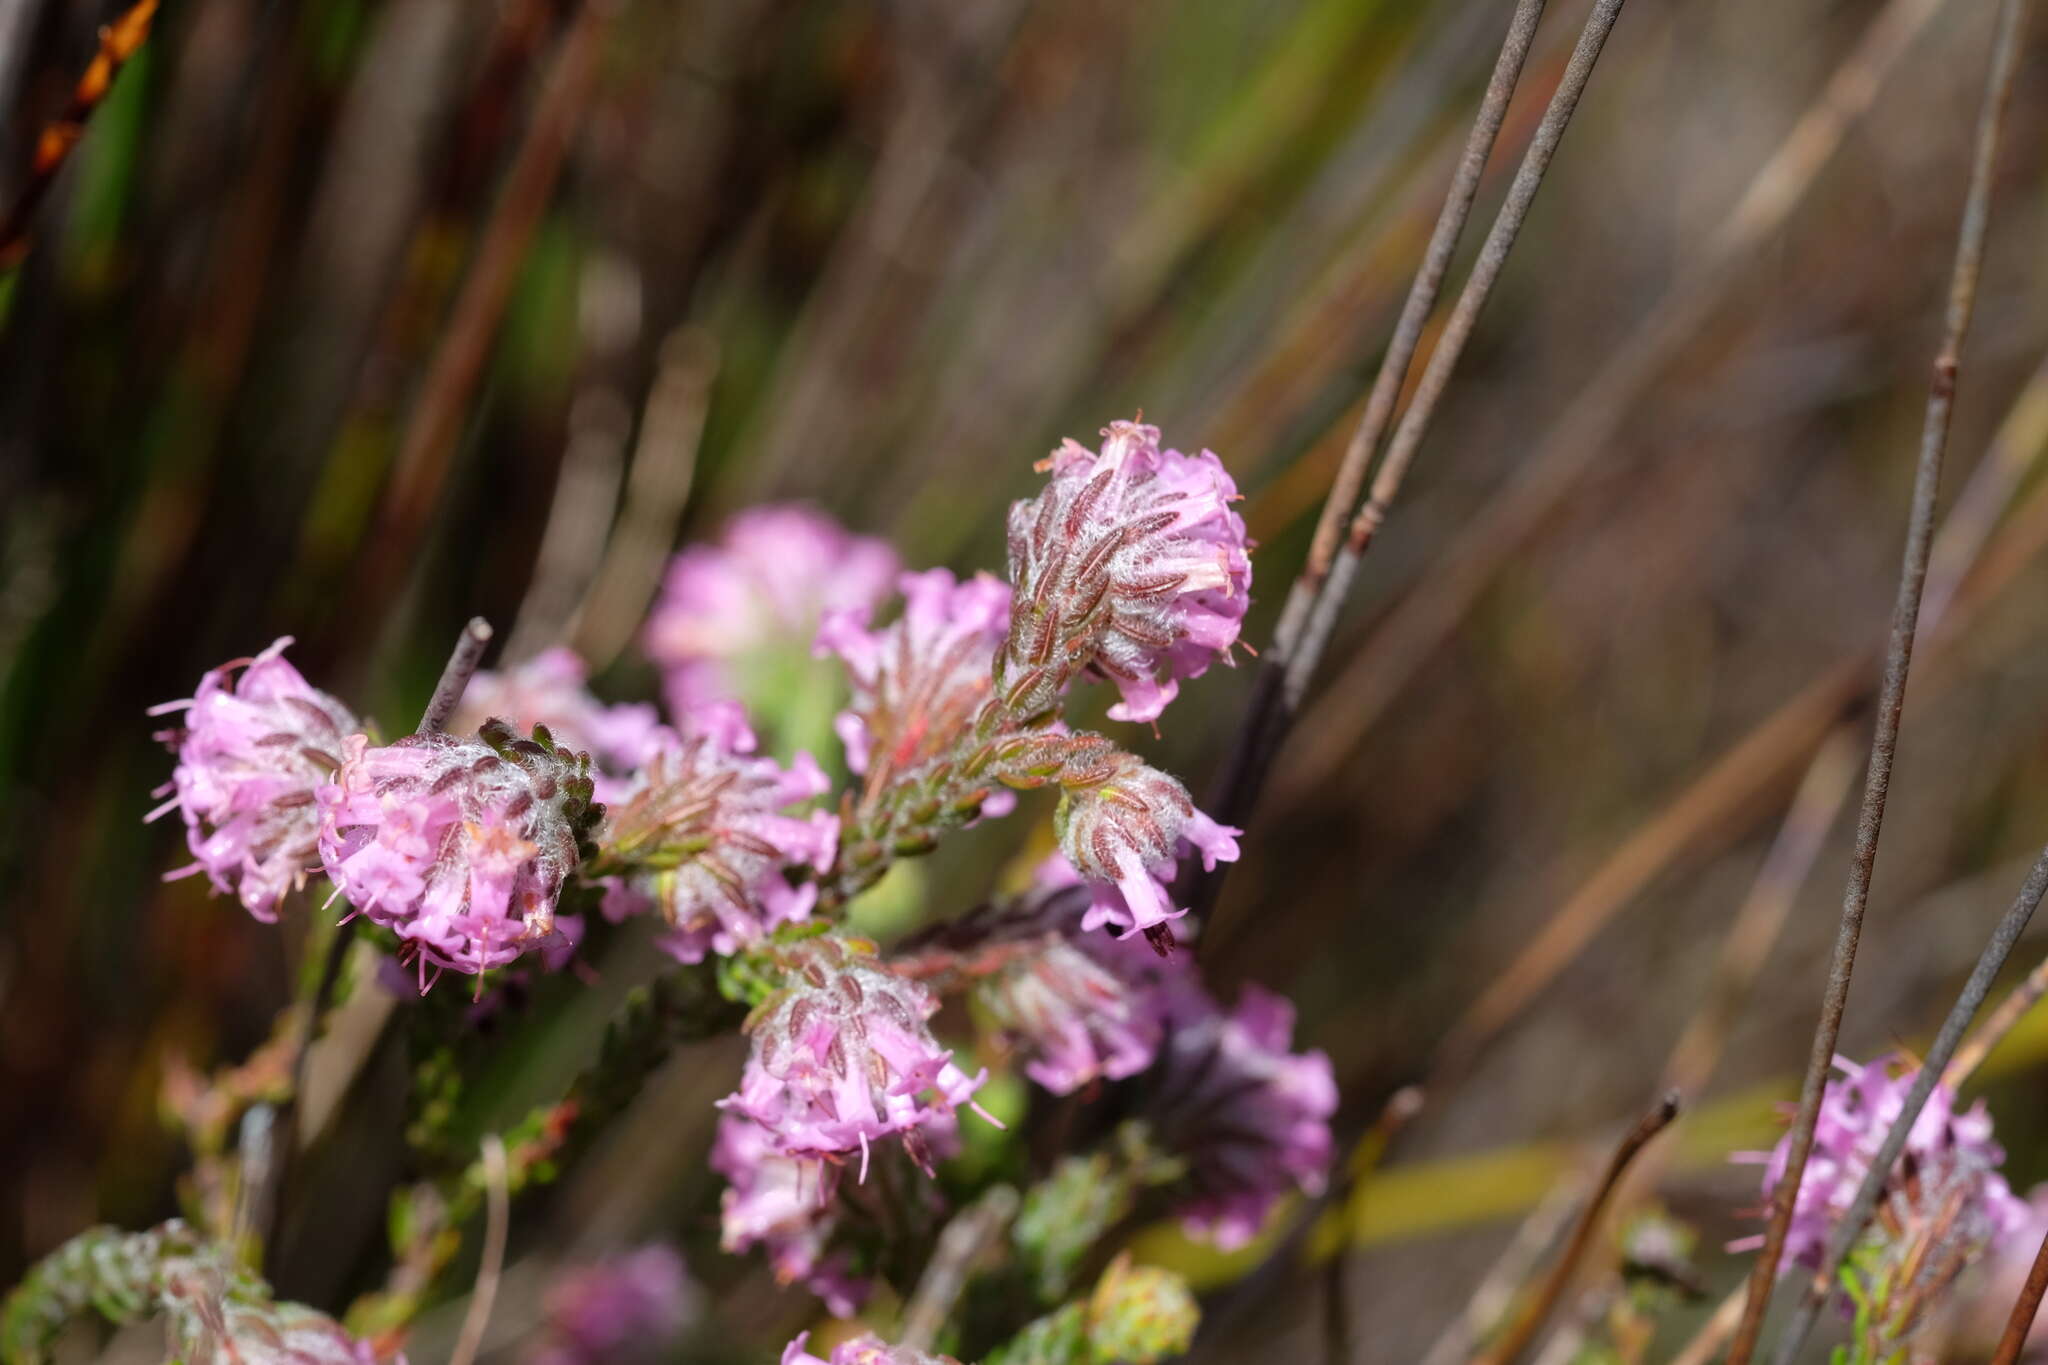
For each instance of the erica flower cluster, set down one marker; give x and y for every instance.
(709, 827)
(252, 753)
(1131, 565)
(622, 1309)
(842, 1058)
(1949, 1160)
(458, 846)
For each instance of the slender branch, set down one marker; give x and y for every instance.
(1419, 624)
(1932, 1069)
(1489, 1303)
(1415, 311)
(498, 1217)
(1530, 1320)
(962, 1243)
(1260, 734)
(455, 675)
(1891, 697)
(2021, 1323)
(1715, 1330)
(2002, 1021)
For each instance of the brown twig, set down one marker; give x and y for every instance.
(2021, 1322)
(1891, 701)
(1496, 1292)
(1715, 1330)
(579, 520)
(1530, 1320)
(498, 1218)
(1259, 735)
(973, 1230)
(1398, 646)
(455, 675)
(118, 42)
(1270, 716)
(424, 454)
(2009, 1012)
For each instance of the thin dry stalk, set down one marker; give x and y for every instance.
(1884, 739)
(1256, 737)
(657, 491)
(455, 675)
(1496, 1291)
(1397, 648)
(1706, 1343)
(118, 42)
(497, 1221)
(428, 448)
(1529, 1321)
(971, 1233)
(579, 520)
(2017, 1327)
(2008, 1014)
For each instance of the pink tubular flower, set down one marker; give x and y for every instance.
(1125, 836)
(773, 574)
(784, 1205)
(919, 682)
(1251, 1117)
(549, 690)
(251, 754)
(1130, 562)
(616, 1310)
(1080, 1008)
(1946, 1148)
(842, 1059)
(862, 1350)
(459, 846)
(706, 825)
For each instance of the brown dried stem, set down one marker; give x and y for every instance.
(498, 1218)
(2017, 1326)
(1891, 701)
(1530, 1320)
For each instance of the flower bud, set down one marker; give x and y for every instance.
(251, 754)
(1131, 565)
(459, 846)
(1125, 833)
(705, 834)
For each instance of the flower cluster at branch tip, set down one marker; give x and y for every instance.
(1251, 1117)
(1946, 1150)
(458, 846)
(861, 1350)
(783, 1204)
(1130, 564)
(549, 689)
(919, 682)
(706, 836)
(252, 751)
(774, 573)
(842, 1058)
(1125, 833)
(1080, 1008)
(617, 1309)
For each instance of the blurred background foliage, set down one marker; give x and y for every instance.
(352, 318)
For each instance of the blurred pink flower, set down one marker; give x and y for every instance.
(621, 1309)
(251, 754)
(784, 1204)
(1251, 1117)
(861, 1350)
(771, 577)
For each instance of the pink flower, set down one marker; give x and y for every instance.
(459, 846)
(1126, 834)
(862, 1350)
(1080, 1007)
(773, 574)
(251, 754)
(1251, 1117)
(706, 833)
(615, 1310)
(919, 682)
(1946, 1148)
(842, 1059)
(784, 1204)
(1131, 563)
(549, 690)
